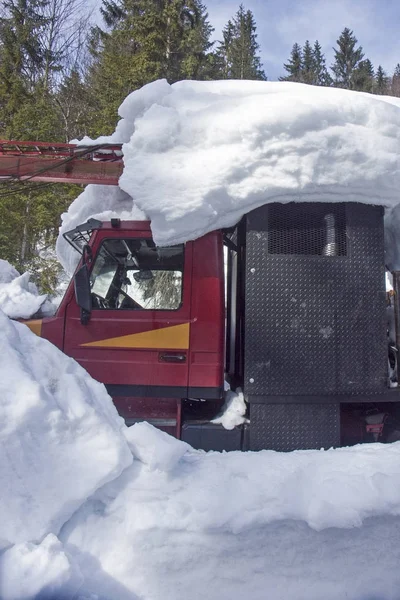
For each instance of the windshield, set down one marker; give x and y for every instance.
(135, 274)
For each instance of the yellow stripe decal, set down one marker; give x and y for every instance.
(35, 325)
(175, 337)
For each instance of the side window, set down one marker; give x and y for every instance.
(134, 274)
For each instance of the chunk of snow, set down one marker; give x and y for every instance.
(38, 571)
(201, 154)
(102, 202)
(60, 436)
(20, 299)
(233, 411)
(154, 447)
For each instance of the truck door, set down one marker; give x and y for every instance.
(137, 339)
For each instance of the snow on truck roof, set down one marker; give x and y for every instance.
(200, 154)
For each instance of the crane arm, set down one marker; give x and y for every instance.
(60, 163)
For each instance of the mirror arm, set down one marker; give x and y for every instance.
(85, 316)
(83, 293)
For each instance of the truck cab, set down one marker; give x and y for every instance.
(151, 322)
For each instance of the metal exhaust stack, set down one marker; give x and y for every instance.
(330, 248)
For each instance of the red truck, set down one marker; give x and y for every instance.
(290, 305)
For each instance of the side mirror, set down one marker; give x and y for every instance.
(83, 294)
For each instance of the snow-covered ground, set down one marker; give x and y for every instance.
(93, 510)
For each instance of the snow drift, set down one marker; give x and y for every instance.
(60, 436)
(198, 155)
(232, 525)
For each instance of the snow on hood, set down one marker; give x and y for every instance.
(198, 155)
(60, 436)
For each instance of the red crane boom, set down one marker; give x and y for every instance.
(60, 163)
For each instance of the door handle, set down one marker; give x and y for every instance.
(171, 357)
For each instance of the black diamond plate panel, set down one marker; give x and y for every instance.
(287, 427)
(293, 230)
(315, 324)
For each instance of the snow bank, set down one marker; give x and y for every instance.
(19, 297)
(243, 519)
(280, 561)
(60, 436)
(198, 155)
(236, 491)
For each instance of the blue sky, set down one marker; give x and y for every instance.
(280, 23)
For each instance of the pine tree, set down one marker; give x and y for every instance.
(21, 56)
(322, 76)
(294, 66)
(363, 77)
(188, 41)
(395, 83)
(29, 227)
(239, 49)
(381, 82)
(347, 59)
(308, 71)
(223, 53)
(148, 40)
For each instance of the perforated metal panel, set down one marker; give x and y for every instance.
(292, 230)
(315, 324)
(287, 427)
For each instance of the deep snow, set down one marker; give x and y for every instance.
(60, 436)
(80, 520)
